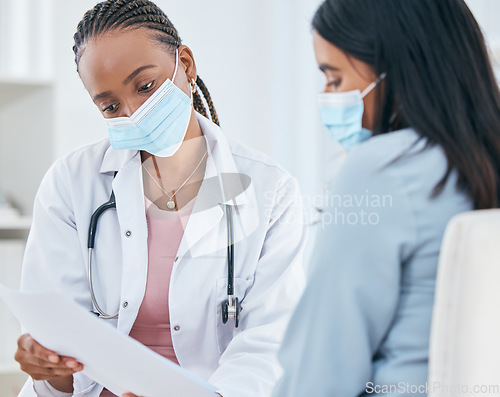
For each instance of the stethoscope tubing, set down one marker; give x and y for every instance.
(230, 251)
(94, 221)
(230, 307)
(102, 313)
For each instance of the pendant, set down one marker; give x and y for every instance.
(171, 204)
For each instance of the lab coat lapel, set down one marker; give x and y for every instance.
(115, 159)
(128, 188)
(208, 210)
(199, 226)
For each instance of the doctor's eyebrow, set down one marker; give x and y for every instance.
(136, 72)
(324, 67)
(125, 82)
(101, 95)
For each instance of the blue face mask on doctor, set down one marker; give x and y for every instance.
(159, 125)
(342, 114)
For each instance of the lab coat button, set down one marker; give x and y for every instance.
(125, 304)
(177, 328)
(176, 259)
(128, 233)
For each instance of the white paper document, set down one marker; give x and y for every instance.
(116, 361)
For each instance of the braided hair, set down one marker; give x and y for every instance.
(122, 14)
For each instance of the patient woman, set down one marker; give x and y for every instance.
(410, 92)
(160, 267)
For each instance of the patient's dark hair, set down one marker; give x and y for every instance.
(439, 80)
(126, 14)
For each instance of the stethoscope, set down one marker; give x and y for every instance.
(230, 307)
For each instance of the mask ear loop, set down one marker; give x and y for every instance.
(373, 85)
(175, 73)
(176, 64)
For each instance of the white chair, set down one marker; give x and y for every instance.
(464, 357)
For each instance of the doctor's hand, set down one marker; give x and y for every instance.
(43, 364)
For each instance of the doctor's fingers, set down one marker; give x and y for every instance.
(29, 351)
(46, 373)
(32, 364)
(39, 369)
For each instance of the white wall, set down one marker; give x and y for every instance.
(77, 119)
(487, 13)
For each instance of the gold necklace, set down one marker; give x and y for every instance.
(171, 203)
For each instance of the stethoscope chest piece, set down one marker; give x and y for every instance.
(231, 309)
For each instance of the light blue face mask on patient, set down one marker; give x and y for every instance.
(342, 114)
(159, 125)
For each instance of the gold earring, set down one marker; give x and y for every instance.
(193, 86)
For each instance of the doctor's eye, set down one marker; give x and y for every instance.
(146, 87)
(110, 108)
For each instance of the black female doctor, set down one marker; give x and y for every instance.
(132, 63)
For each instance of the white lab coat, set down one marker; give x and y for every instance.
(268, 258)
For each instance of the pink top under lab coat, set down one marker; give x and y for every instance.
(152, 326)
